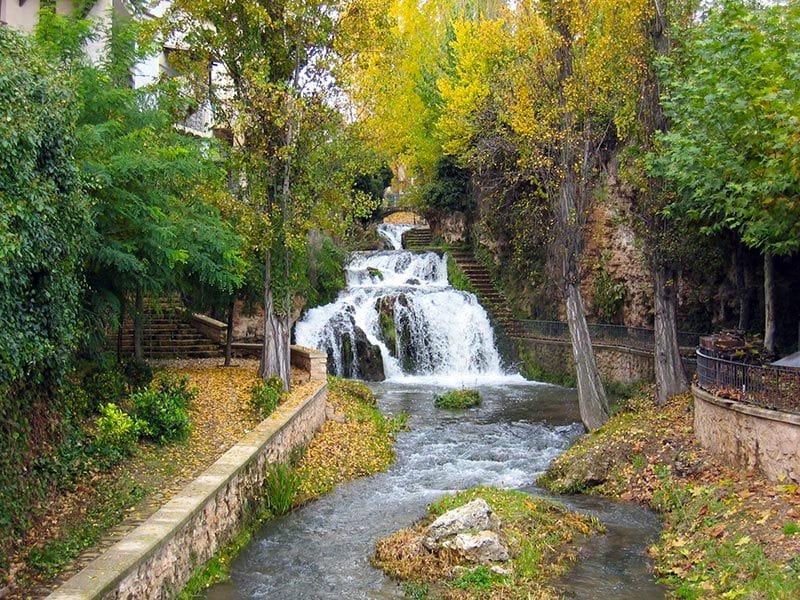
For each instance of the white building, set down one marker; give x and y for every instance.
(23, 15)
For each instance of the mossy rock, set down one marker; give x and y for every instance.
(463, 398)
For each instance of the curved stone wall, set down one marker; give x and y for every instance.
(748, 436)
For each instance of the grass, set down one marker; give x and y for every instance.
(539, 533)
(357, 443)
(463, 398)
(457, 278)
(728, 533)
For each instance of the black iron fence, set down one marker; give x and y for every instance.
(768, 387)
(619, 335)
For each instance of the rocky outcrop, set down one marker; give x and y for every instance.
(472, 530)
(360, 358)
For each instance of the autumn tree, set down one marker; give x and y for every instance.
(571, 96)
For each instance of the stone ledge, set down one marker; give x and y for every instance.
(746, 409)
(157, 558)
(748, 436)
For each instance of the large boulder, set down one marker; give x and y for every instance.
(472, 516)
(482, 547)
(369, 359)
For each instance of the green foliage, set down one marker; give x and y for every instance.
(790, 528)
(265, 397)
(462, 398)
(609, 295)
(44, 223)
(280, 488)
(323, 265)
(731, 152)
(117, 432)
(138, 373)
(105, 384)
(162, 408)
(450, 189)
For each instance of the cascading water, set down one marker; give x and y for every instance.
(399, 311)
(321, 551)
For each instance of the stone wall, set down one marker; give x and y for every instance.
(748, 436)
(314, 362)
(157, 558)
(617, 364)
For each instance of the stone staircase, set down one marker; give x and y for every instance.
(168, 333)
(417, 239)
(489, 296)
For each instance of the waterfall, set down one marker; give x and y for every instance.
(400, 319)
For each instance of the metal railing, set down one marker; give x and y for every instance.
(776, 388)
(641, 338)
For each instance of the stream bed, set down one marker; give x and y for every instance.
(322, 550)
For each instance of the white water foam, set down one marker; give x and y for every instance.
(443, 336)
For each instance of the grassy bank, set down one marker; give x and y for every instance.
(356, 442)
(539, 534)
(728, 533)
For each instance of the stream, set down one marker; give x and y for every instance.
(322, 549)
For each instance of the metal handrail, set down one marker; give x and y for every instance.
(776, 388)
(633, 337)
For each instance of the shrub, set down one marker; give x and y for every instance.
(138, 373)
(106, 384)
(117, 432)
(265, 397)
(463, 398)
(162, 408)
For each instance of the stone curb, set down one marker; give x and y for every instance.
(121, 571)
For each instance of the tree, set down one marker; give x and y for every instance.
(732, 152)
(571, 95)
(269, 66)
(153, 228)
(665, 239)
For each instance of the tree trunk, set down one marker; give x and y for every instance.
(120, 330)
(670, 375)
(229, 334)
(592, 399)
(275, 357)
(744, 288)
(769, 303)
(138, 310)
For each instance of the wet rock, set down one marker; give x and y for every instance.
(482, 547)
(370, 360)
(413, 281)
(475, 515)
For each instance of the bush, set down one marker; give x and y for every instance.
(458, 399)
(138, 373)
(162, 408)
(106, 384)
(265, 397)
(117, 432)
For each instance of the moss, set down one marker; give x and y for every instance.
(457, 278)
(540, 535)
(462, 398)
(530, 369)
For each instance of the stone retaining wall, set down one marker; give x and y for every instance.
(620, 365)
(748, 436)
(157, 558)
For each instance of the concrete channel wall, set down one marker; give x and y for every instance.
(157, 558)
(748, 436)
